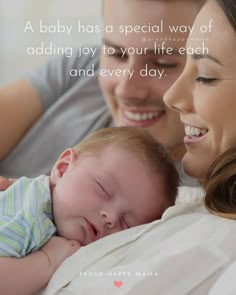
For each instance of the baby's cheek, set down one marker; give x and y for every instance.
(73, 229)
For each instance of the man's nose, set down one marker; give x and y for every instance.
(132, 87)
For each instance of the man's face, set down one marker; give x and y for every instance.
(98, 195)
(133, 99)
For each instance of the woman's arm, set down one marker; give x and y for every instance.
(20, 107)
(31, 273)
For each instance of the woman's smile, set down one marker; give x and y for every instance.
(193, 134)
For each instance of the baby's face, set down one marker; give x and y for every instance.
(105, 193)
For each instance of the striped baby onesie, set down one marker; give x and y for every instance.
(26, 221)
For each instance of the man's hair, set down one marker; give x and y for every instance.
(200, 2)
(142, 144)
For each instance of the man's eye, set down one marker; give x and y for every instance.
(204, 80)
(166, 64)
(116, 54)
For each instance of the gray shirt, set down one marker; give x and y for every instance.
(73, 108)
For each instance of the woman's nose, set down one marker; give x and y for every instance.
(179, 96)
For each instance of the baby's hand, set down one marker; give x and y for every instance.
(57, 249)
(6, 182)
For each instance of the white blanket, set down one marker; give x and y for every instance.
(183, 253)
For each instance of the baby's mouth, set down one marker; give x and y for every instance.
(92, 231)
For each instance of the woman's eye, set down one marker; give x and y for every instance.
(204, 80)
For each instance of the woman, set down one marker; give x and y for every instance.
(187, 251)
(204, 96)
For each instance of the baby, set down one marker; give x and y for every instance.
(114, 179)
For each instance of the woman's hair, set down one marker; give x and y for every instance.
(229, 8)
(140, 143)
(220, 183)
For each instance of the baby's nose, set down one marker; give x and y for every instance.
(111, 221)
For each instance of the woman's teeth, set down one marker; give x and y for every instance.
(141, 116)
(194, 131)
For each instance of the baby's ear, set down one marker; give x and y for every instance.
(66, 159)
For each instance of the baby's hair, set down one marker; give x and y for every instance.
(142, 144)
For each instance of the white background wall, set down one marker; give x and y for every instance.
(14, 15)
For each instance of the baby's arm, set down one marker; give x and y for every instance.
(23, 276)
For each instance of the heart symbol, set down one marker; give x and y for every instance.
(117, 284)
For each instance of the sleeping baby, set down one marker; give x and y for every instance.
(116, 178)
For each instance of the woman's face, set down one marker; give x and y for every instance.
(205, 93)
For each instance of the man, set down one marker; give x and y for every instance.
(53, 108)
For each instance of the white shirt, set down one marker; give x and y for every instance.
(183, 253)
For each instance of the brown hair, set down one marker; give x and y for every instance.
(229, 9)
(141, 143)
(220, 185)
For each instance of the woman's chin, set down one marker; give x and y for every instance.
(193, 167)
